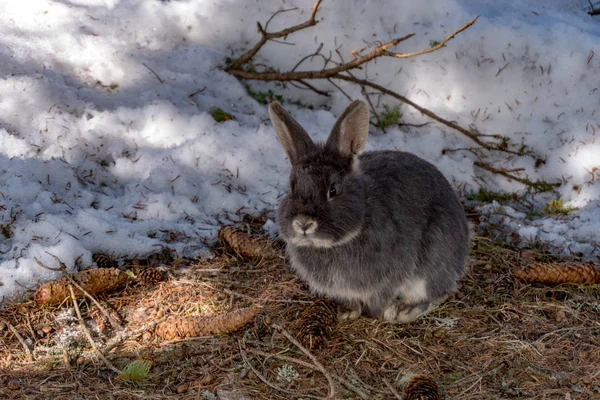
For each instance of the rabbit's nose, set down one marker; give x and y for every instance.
(304, 225)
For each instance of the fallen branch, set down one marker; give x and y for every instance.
(243, 68)
(538, 185)
(265, 37)
(19, 338)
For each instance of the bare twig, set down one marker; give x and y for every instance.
(432, 48)
(542, 186)
(332, 389)
(122, 336)
(265, 380)
(305, 364)
(19, 337)
(115, 324)
(88, 334)
(195, 92)
(314, 89)
(154, 72)
(266, 36)
(321, 74)
(392, 389)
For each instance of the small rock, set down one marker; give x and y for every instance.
(183, 388)
(13, 385)
(47, 329)
(487, 267)
(560, 315)
(207, 380)
(80, 360)
(527, 254)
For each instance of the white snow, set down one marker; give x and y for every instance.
(97, 155)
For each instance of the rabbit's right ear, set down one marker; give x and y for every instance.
(292, 136)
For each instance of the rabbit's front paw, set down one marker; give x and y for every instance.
(349, 311)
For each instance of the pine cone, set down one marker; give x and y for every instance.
(421, 387)
(557, 273)
(184, 327)
(245, 244)
(104, 260)
(504, 289)
(151, 276)
(316, 323)
(93, 281)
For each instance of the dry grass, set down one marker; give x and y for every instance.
(496, 339)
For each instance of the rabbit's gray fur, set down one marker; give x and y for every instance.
(393, 240)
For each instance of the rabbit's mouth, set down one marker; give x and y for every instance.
(322, 241)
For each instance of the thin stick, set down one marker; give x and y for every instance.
(88, 335)
(115, 324)
(392, 389)
(314, 89)
(432, 48)
(19, 337)
(543, 186)
(154, 72)
(265, 36)
(122, 336)
(63, 268)
(321, 74)
(266, 381)
(341, 380)
(332, 389)
(381, 50)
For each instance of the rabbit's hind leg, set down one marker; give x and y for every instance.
(400, 311)
(349, 310)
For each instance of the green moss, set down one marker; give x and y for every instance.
(389, 116)
(487, 196)
(557, 207)
(6, 231)
(263, 97)
(136, 370)
(219, 115)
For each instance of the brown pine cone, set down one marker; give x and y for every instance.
(247, 245)
(151, 276)
(557, 273)
(93, 281)
(317, 322)
(104, 260)
(421, 387)
(184, 327)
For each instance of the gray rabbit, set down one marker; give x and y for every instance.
(382, 233)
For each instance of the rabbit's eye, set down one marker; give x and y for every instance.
(332, 190)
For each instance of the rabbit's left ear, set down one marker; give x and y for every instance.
(349, 134)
